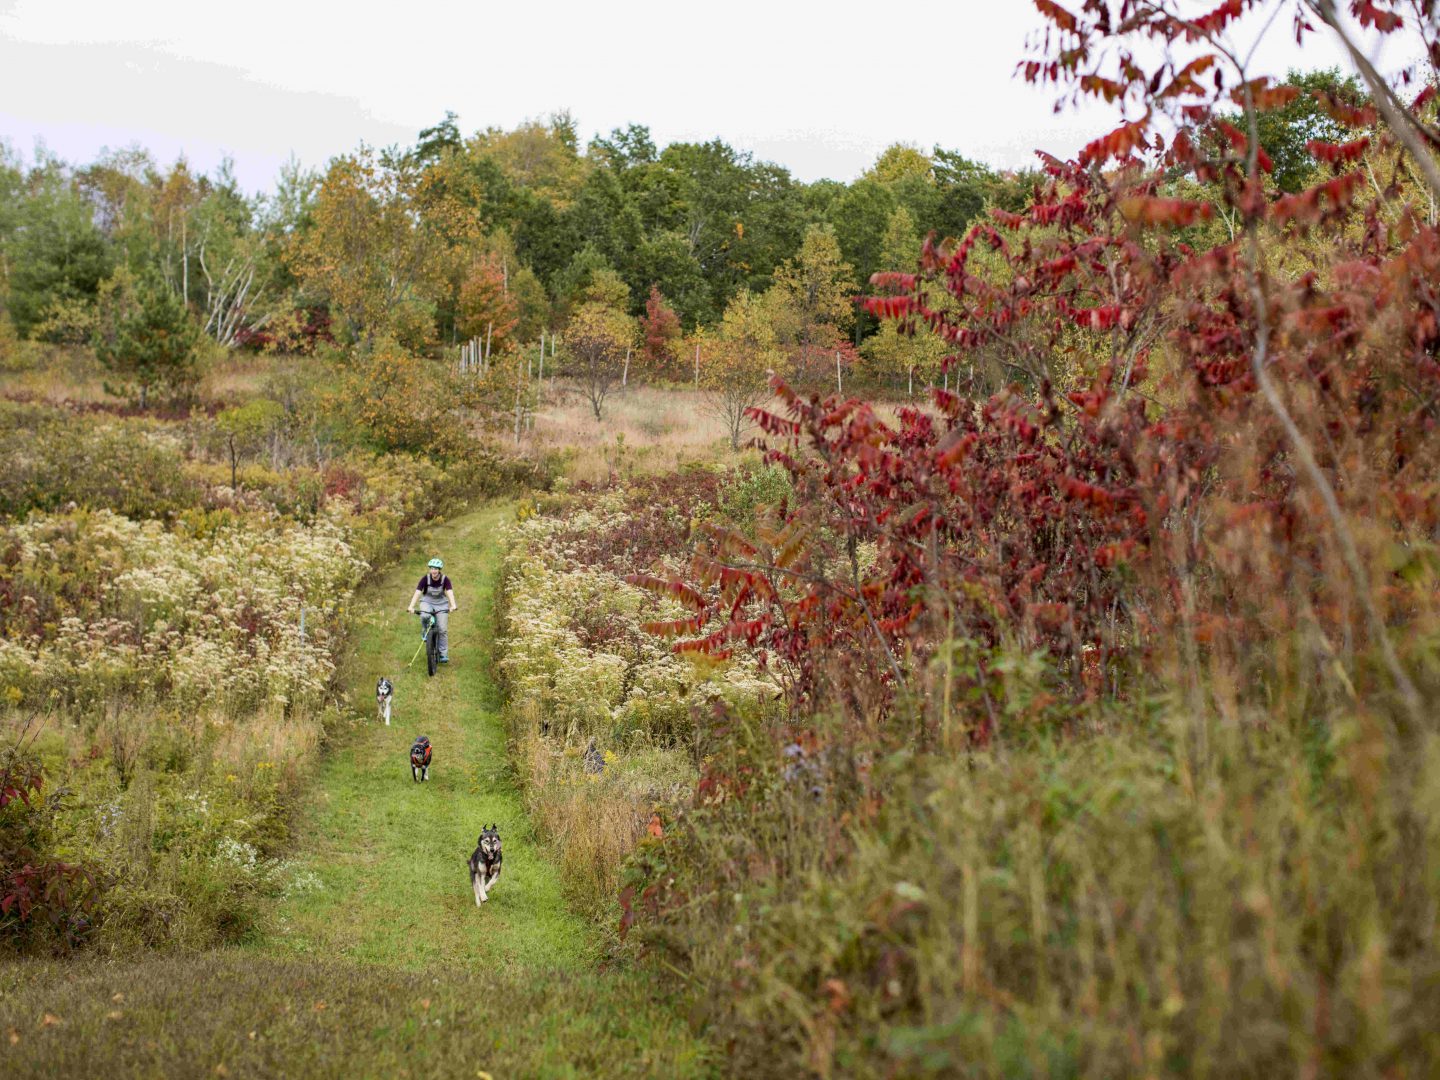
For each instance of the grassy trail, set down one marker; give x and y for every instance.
(390, 969)
(391, 852)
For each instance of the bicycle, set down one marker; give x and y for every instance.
(430, 640)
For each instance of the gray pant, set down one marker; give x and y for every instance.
(441, 611)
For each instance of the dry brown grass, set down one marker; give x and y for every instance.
(643, 429)
(53, 373)
(592, 821)
(237, 376)
(56, 374)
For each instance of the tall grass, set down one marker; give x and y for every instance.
(1114, 906)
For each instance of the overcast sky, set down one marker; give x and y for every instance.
(821, 88)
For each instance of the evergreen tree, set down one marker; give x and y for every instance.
(153, 344)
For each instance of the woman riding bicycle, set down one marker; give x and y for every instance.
(436, 596)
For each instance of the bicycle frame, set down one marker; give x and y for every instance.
(430, 629)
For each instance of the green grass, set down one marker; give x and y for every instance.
(391, 852)
(389, 968)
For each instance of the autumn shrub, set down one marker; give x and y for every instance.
(54, 457)
(1111, 682)
(46, 900)
(746, 493)
(602, 716)
(402, 401)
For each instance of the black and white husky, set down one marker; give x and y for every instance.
(384, 692)
(485, 863)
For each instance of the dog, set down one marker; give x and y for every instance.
(384, 692)
(485, 863)
(420, 759)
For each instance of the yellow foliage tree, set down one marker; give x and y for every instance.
(543, 157)
(811, 302)
(735, 367)
(366, 256)
(596, 342)
(900, 161)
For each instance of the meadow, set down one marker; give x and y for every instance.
(1021, 661)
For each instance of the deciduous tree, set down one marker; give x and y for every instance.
(595, 343)
(660, 334)
(364, 253)
(486, 308)
(739, 362)
(813, 301)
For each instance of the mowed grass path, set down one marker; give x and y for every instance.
(390, 969)
(390, 852)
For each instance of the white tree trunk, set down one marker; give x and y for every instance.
(518, 385)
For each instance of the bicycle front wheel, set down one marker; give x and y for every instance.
(432, 649)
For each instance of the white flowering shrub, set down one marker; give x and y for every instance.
(109, 604)
(575, 649)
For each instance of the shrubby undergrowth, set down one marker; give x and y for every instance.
(604, 717)
(1110, 745)
(172, 606)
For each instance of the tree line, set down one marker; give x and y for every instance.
(693, 262)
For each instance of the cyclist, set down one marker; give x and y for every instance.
(436, 595)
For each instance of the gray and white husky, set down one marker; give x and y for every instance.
(384, 693)
(485, 863)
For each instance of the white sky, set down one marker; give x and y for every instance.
(821, 88)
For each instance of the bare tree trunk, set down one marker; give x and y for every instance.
(184, 262)
(697, 365)
(625, 375)
(839, 386)
(518, 385)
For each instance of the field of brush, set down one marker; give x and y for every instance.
(766, 851)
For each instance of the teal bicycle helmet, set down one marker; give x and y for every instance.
(436, 564)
